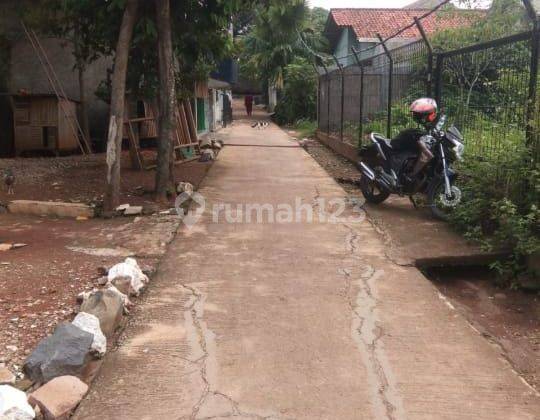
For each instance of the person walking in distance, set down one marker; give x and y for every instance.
(248, 102)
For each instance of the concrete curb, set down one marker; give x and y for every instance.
(51, 208)
(346, 150)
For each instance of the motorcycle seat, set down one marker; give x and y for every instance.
(383, 141)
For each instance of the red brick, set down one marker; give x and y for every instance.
(59, 397)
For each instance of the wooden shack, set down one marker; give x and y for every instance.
(144, 111)
(44, 123)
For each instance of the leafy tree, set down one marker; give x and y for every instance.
(474, 74)
(280, 34)
(87, 26)
(298, 99)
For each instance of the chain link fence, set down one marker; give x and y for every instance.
(490, 91)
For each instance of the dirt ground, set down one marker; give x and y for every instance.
(508, 318)
(40, 281)
(82, 179)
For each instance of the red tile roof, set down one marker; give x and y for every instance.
(367, 23)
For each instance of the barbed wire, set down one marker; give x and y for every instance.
(379, 43)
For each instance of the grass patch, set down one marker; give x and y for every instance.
(305, 128)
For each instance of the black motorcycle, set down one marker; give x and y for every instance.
(415, 162)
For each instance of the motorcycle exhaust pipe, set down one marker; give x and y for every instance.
(366, 170)
(379, 180)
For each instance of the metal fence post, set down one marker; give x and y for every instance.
(327, 95)
(318, 93)
(429, 80)
(438, 78)
(532, 100)
(361, 116)
(390, 86)
(340, 68)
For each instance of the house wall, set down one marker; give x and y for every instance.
(26, 72)
(346, 41)
(216, 108)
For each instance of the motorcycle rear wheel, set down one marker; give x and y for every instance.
(371, 192)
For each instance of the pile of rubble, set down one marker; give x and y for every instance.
(210, 149)
(56, 373)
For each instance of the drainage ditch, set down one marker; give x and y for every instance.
(508, 318)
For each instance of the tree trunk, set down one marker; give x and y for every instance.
(84, 105)
(167, 101)
(118, 93)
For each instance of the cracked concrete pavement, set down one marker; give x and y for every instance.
(296, 320)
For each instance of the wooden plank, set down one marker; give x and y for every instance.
(184, 124)
(179, 162)
(137, 160)
(148, 128)
(141, 119)
(191, 121)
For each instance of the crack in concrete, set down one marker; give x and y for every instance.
(195, 308)
(368, 335)
(315, 203)
(387, 240)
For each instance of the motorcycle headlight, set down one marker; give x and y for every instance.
(458, 150)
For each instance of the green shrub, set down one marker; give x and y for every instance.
(298, 100)
(500, 204)
(306, 128)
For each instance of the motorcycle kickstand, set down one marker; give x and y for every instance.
(412, 200)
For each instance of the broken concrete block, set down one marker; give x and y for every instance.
(102, 281)
(133, 211)
(123, 297)
(122, 284)
(207, 155)
(107, 306)
(6, 376)
(205, 143)
(129, 268)
(59, 397)
(122, 207)
(185, 187)
(14, 405)
(90, 324)
(51, 208)
(65, 352)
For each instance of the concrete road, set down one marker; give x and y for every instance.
(296, 320)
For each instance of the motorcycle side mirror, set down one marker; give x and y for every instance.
(440, 124)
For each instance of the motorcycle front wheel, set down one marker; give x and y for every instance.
(440, 205)
(371, 192)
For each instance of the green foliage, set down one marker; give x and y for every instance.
(500, 203)
(306, 128)
(299, 96)
(200, 36)
(278, 36)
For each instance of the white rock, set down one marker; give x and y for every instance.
(129, 268)
(122, 207)
(14, 404)
(217, 145)
(90, 324)
(185, 187)
(125, 300)
(133, 211)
